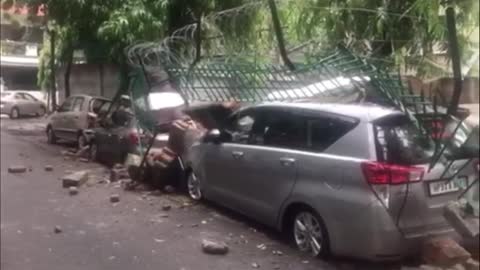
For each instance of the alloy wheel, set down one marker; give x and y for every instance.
(193, 184)
(307, 231)
(81, 142)
(51, 136)
(14, 114)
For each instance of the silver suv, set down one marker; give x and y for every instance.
(348, 179)
(77, 114)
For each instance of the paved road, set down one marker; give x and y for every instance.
(133, 234)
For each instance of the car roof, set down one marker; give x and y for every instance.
(364, 112)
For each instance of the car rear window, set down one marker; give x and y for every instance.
(399, 141)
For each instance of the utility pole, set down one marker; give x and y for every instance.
(454, 52)
(53, 86)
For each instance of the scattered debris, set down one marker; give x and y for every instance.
(262, 246)
(179, 225)
(305, 262)
(194, 225)
(30, 168)
(471, 264)
(214, 248)
(75, 179)
(277, 252)
(85, 160)
(17, 169)
(204, 222)
(166, 207)
(158, 240)
(73, 191)
(444, 252)
(456, 216)
(57, 229)
(115, 198)
(255, 265)
(48, 168)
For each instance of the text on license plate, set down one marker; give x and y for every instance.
(442, 187)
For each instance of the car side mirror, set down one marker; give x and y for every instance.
(213, 136)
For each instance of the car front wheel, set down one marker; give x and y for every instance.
(51, 138)
(309, 233)
(194, 187)
(14, 113)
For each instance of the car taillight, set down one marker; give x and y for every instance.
(386, 174)
(134, 139)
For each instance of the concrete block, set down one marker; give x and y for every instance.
(466, 227)
(75, 179)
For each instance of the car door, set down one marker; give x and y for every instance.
(32, 104)
(21, 103)
(257, 170)
(58, 120)
(73, 118)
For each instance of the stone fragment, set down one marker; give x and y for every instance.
(57, 229)
(48, 168)
(17, 169)
(75, 179)
(73, 191)
(214, 248)
(115, 198)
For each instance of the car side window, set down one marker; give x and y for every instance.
(280, 129)
(67, 105)
(19, 96)
(323, 131)
(240, 126)
(29, 97)
(78, 104)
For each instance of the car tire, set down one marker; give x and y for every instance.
(309, 233)
(93, 154)
(41, 112)
(14, 113)
(194, 187)
(81, 141)
(51, 138)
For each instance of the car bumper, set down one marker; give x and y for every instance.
(376, 237)
(5, 109)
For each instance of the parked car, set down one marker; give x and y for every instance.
(114, 140)
(21, 103)
(77, 114)
(350, 180)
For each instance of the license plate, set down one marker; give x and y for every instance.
(443, 187)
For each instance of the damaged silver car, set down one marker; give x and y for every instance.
(351, 180)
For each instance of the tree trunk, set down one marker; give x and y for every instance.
(455, 55)
(53, 86)
(279, 33)
(68, 71)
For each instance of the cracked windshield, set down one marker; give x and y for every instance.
(239, 134)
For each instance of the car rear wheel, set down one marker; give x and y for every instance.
(194, 187)
(94, 152)
(81, 141)
(14, 113)
(51, 138)
(309, 233)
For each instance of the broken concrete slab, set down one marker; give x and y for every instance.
(444, 252)
(75, 179)
(471, 264)
(466, 227)
(214, 248)
(17, 169)
(114, 198)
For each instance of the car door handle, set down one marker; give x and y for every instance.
(237, 154)
(287, 161)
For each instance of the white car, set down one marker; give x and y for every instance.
(20, 103)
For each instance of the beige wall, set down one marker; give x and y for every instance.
(444, 87)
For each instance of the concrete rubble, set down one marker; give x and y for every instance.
(17, 169)
(73, 191)
(48, 168)
(466, 226)
(75, 179)
(444, 252)
(114, 198)
(214, 248)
